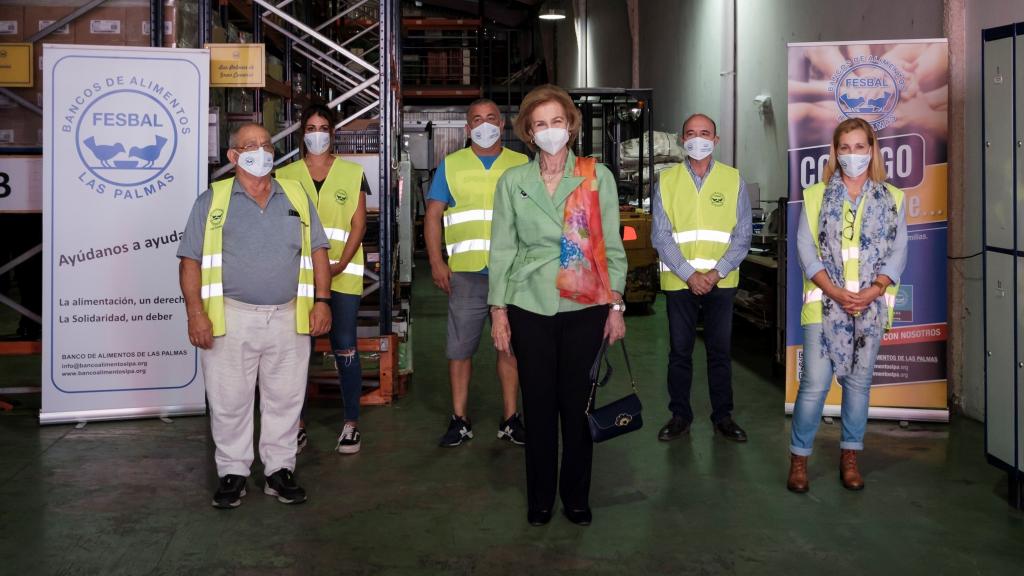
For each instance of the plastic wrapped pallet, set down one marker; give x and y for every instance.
(666, 150)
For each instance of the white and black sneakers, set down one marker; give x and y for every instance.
(282, 484)
(459, 430)
(350, 440)
(229, 492)
(513, 430)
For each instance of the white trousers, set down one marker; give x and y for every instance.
(260, 343)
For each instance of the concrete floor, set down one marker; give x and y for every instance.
(133, 497)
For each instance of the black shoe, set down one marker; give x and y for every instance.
(726, 427)
(538, 517)
(581, 517)
(282, 484)
(301, 441)
(513, 430)
(675, 428)
(229, 492)
(459, 430)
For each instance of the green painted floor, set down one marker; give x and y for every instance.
(133, 497)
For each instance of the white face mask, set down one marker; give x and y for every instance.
(317, 142)
(551, 140)
(699, 148)
(485, 135)
(854, 164)
(259, 163)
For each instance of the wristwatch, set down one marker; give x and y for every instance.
(322, 299)
(618, 306)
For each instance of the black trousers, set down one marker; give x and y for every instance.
(554, 355)
(683, 309)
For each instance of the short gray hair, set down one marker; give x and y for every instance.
(233, 137)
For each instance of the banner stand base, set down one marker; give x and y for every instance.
(884, 413)
(120, 414)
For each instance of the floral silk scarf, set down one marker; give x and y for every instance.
(583, 264)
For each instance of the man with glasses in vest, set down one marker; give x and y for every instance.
(256, 280)
(702, 228)
(460, 200)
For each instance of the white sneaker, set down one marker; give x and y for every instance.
(350, 441)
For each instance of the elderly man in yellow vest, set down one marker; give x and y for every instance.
(256, 280)
(701, 230)
(461, 198)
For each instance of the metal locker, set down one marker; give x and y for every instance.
(1000, 420)
(999, 142)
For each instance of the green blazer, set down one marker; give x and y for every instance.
(526, 237)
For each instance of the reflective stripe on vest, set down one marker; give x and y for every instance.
(212, 290)
(467, 223)
(336, 203)
(702, 220)
(810, 312)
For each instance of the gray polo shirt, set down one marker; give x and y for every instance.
(261, 249)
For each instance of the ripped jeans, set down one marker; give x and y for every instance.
(344, 311)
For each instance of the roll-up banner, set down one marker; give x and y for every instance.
(124, 157)
(901, 88)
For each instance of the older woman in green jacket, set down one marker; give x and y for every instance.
(557, 271)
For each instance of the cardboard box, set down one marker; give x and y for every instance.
(101, 26)
(20, 128)
(137, 25)
(12, 23)
(39, 17)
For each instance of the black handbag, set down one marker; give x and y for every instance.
(622, 416)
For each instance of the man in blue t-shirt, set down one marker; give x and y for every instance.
(459, 203)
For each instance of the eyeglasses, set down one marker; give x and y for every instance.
(268, 147)
(850, 218)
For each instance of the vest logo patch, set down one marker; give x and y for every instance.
(341, 196)
(717, 199)
(217, 218)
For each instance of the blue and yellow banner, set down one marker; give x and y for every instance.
(901, 89)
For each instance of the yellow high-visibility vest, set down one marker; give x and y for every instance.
(702, 220)
(467, 224)
(810, 312)
(212, 271)
(336, 203)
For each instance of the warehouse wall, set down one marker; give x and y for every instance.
(608, 50)
(681, 58)
(980, 15)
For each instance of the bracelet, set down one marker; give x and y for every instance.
(880, 285)
(322, 300)
(496, 308)
(618, 306)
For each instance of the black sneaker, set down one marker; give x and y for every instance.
(459, 430)
(513, 430)
(350, 440)
(282, 484)
(302, 440)
(229, 492)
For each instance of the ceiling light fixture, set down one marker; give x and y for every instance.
(552, 14)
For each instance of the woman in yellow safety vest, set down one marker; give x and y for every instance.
(337, 189)
(852, 244)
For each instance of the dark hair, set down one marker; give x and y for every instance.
(310, 111)
(482, 102)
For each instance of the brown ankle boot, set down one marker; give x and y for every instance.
(797, 474)
(848, 472)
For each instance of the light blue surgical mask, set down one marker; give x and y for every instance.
(854, 165)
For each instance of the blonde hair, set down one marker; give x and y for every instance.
(542, 95)
(876, 169)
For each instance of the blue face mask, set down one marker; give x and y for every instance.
(854, 165)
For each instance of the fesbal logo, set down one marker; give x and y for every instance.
(126, 132)
(867, 87)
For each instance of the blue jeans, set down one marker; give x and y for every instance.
(344, 313)
(814, 386)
